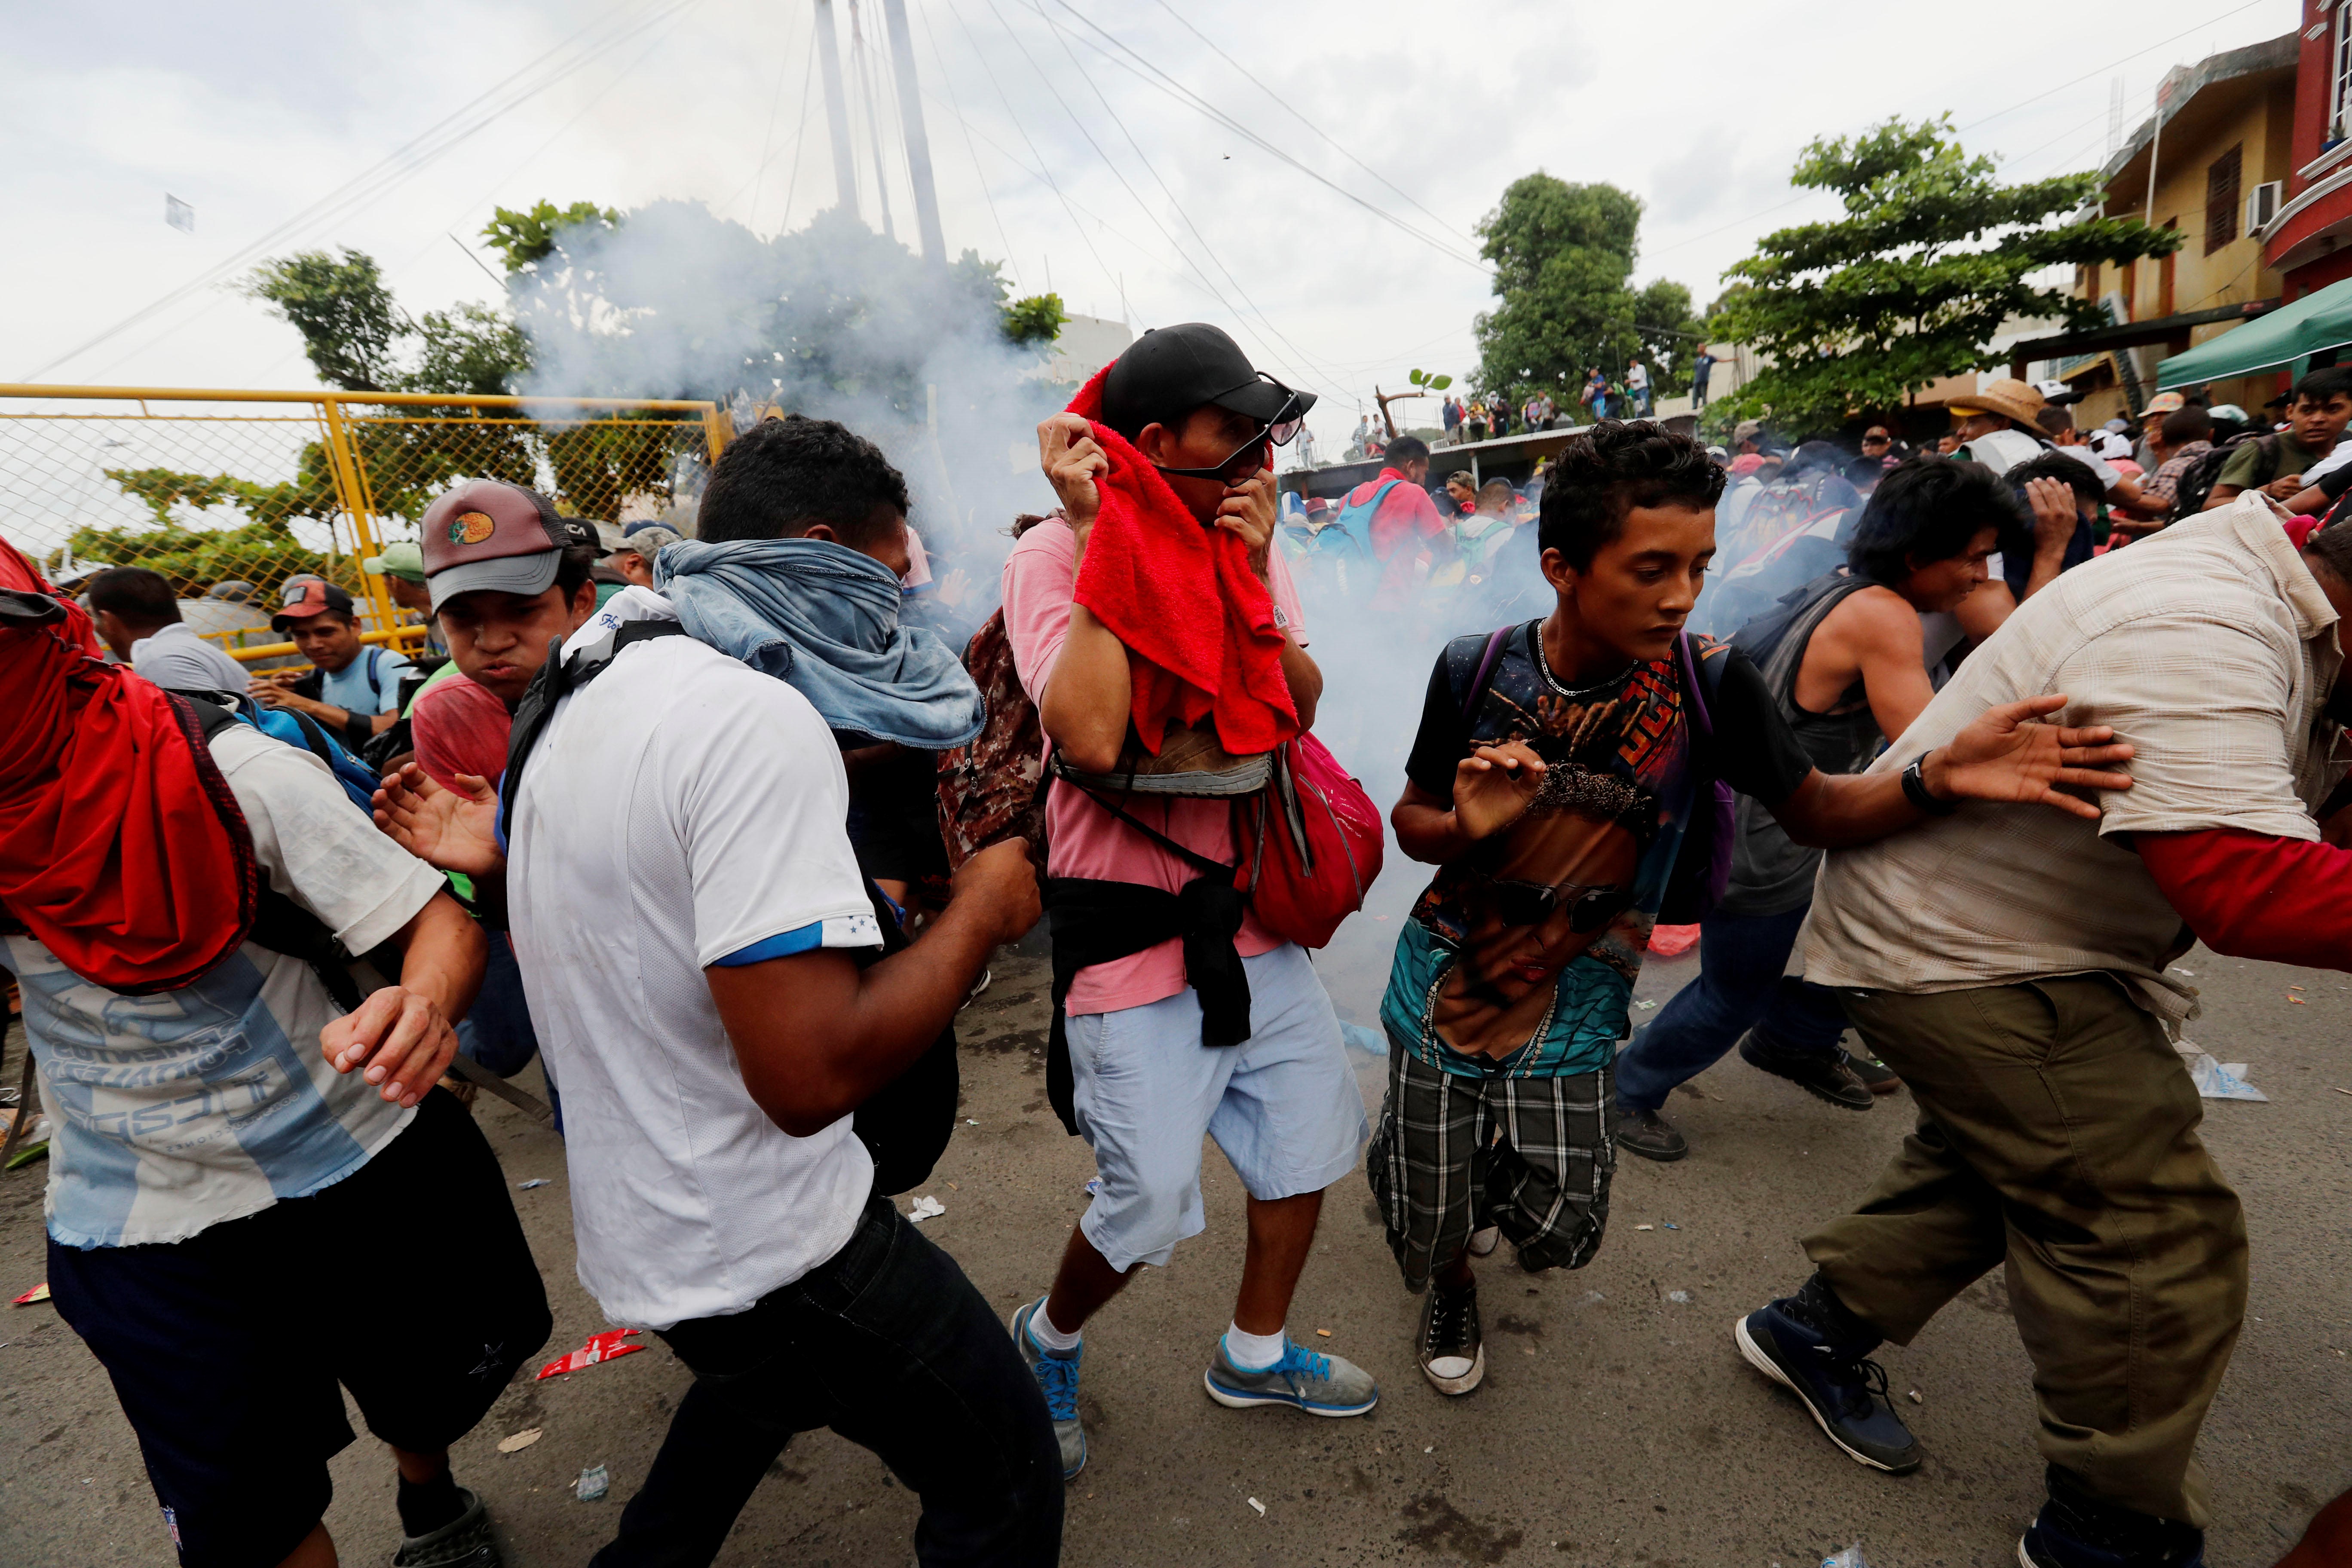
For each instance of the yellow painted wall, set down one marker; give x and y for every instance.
(2258, 119)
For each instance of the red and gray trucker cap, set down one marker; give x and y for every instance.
(490, 535)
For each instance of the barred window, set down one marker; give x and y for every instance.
(2221, 198)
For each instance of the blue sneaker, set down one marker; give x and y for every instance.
(1319, 1384)
(1845, 1392)
(2075, 1531)
(1057, 1380)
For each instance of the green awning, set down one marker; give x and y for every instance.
(2272, 341)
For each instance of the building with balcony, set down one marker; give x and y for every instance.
(2218, 152)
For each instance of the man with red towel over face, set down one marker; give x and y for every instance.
(255, 1191)
(1152, 607)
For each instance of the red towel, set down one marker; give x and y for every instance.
(1198, 624)
(122, 848)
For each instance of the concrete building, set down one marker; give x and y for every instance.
(2221, 146)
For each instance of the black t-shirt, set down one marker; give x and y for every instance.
(1752, 749)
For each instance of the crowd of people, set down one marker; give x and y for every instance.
(724, 828)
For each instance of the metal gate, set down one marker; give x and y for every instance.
(230, 494)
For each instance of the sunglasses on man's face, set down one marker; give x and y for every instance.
(1258, 451)
(1533, 903)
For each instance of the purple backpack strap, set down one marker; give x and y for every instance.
(1485, 675)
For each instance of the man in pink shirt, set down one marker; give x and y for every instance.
(1153, 1068)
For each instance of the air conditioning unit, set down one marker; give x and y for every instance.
(2263, 205)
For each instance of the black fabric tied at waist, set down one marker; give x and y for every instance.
(1095, 922)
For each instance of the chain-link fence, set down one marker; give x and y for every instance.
(231, 494)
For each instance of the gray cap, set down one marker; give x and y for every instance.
(648, 542)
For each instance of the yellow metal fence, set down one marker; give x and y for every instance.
(231, 494)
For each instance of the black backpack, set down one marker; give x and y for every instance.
(2196, 481)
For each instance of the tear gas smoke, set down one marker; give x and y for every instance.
(832, 321)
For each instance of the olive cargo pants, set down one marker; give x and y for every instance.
(2058, 1136)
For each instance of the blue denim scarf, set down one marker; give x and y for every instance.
(824, 618)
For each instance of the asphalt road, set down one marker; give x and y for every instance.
(1617, 1425)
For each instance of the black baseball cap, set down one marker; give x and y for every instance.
(1170, 371)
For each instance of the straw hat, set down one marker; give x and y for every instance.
(2008, 398)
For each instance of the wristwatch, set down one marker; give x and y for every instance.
(1914, 790)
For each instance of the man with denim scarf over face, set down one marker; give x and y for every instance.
(686, 910)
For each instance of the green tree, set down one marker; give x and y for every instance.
(528, 237)
(1033, 322)
(1932, 256)
(467, 348)
(1670, 333)
(1563, 258)
(343, 310)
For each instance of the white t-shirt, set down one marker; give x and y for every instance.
(678, 809)
(177, 659)
(2001, 450)
(178, 1110)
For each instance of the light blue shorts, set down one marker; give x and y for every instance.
(1283, 1105)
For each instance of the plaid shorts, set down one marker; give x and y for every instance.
(1455, 1154)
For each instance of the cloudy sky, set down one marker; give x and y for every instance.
(1120, 178)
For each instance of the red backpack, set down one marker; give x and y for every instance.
(1311, 843)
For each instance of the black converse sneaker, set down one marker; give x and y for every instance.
(1452, 1351)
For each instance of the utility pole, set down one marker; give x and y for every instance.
(861, 60)
(919, 145)
(836, 108)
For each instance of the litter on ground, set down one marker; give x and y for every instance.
(1681, 1296)
(38, 1293)
(521, 1440)
(2222, 1080)
(534, 1182)
(926, 1207)
(1259, 1506)
(601, 1347)
(594, 1483)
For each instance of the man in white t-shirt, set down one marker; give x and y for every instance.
(700, 955)
(241, 1162)
(1157, 1053)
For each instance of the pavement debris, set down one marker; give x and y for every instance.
(1324, 1332)
(1094, 1186)
(1645, 1227)
(38, 1293)
(534, 1182)
(1668, 1225)
(1914, 1396)
(2217, 1080)
(1851, 1557)
(1681, 1296)
(594, 1483)
(601, 1347)
(1259, 1506)
(521, 1440)
(926, 1207)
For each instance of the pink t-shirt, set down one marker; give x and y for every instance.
(1083, 840)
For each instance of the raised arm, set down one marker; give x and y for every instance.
(816, 1035)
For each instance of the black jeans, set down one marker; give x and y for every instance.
(889, 1344)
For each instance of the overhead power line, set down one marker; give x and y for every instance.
(1152, 75)
(608, 31)
(1337, 145)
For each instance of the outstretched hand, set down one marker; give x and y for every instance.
(2007, 755)
(456, 830)
(399, 1040)
(1493, 787)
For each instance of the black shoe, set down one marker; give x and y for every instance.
(2075, 1531)
(1876, 1074)
(1825, 1077)
(1845, 1393)
(1649, 1135)
(1452, 1349)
